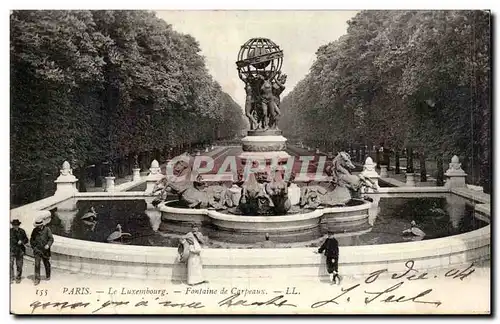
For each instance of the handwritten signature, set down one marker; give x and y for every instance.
(389, 298)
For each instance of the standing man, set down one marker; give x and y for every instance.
(331, 250)
(41, 240)
(18, 240)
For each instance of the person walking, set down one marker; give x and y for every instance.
(331, 250)
(41, 240)
(18, 241)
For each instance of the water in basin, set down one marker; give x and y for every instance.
(436, 216)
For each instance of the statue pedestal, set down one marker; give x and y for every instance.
(66, 182)
(410, 179)
(370, 173)
(264, 158)
(260, 143)
(267, 147)
(455, 175)
(136, 174)
(455, 179)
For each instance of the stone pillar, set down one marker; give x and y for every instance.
(110, 183)
(66, 182)
(455, 175)
(369, 172)
(154, 176)
(383, 171)
(136, 174)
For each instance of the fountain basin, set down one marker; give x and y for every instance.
(338, 220)
(156, 262)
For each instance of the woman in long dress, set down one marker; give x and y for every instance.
(190, 252)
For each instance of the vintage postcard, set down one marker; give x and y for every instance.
(250, 162)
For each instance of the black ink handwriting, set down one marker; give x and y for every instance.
(195, 305)
(374, 275)
(409, 265)
(460, 274)
(333, 300)
(401, 299)
(111, 303)
(233, 300)
(61, 305)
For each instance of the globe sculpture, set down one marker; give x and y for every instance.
(259, 67)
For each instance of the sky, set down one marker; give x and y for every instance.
(221, 33)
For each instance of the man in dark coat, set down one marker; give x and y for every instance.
(331, 250)
(18, 240)
(41, 240)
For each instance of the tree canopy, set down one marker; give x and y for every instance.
(401, 78)
(92, 86)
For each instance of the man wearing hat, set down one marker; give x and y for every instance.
(41, 240)
(18, 240)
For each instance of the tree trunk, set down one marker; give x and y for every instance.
(440, 171)
(423, 170)
(82, 177)
(98, 175)
(409, 161)
(397, 170)
(378, 158)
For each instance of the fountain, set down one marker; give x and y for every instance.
(263, 181)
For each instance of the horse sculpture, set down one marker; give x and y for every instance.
(192, 194)
(345, 185)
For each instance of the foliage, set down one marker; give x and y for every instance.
(92, 86)
(401, 78)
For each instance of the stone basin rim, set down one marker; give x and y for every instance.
(265, 219)
(159, 254)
